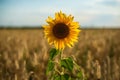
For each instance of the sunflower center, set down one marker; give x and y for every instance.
(60, 30)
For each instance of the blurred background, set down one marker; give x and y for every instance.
(24, 50)
(97, 13)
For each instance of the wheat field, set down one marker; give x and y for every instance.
(24, 54)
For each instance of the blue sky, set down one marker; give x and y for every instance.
(35, 12)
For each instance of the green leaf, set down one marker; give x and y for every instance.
(79, 75)
(65, 77)
(50, 66)
(53, 53)
(62, 77)
(67, 63)
(57, 77)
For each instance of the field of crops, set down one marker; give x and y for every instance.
(24, 54)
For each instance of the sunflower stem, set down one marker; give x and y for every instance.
(61, 55)
(62, 69)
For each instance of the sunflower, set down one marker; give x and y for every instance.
(61, 30)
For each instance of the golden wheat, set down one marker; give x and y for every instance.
(24, 54)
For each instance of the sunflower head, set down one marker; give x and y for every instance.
(61, 30)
